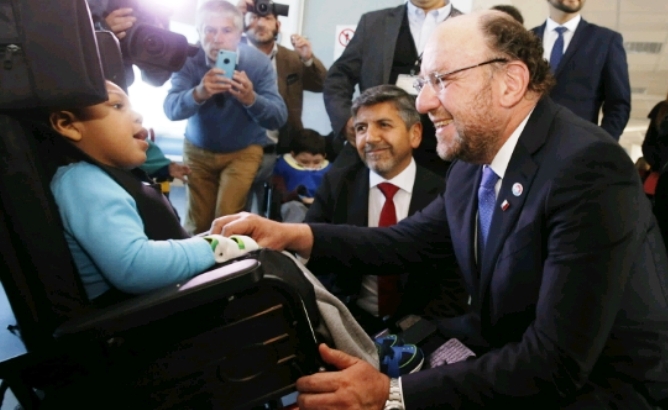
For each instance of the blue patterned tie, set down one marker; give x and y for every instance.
(558, 49)
(486, 202)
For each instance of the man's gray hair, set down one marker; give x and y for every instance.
(402, 101)
(219, 7)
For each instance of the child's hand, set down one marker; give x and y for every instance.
(179, 171)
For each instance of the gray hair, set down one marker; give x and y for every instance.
(219, 7)
(402, 101)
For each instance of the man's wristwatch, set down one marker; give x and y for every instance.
(396, 399)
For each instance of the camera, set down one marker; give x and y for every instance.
(265, 7)
(147, 42)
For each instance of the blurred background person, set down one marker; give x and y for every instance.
(227, 117)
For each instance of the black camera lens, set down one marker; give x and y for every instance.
(263, 8)
(226, 60)
(154, 45)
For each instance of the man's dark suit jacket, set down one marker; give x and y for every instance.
(367, 62)
(293, 78)
(570, 300)
(593, 73)
(343, 198)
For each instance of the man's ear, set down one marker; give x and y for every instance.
(515, 84)
(278, 25)
(66, 124)
(415, 134)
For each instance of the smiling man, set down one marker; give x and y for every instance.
(387, 129)
(547, 219)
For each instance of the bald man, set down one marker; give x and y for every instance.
(548, 222)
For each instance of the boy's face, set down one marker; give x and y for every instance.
(110, 132)
(308, 160)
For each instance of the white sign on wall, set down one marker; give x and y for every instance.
(343, 35)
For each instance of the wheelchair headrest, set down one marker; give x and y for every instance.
(51, 55)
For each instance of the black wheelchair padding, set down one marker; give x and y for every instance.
(240, 341)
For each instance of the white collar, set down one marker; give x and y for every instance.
(443, 12)
(404, 180)
(502, 158)
(571, 24)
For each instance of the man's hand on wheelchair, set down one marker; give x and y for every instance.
(267, 233)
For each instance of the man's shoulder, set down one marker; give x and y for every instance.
(252, 57)
(429, 179)
(378, 14)
(594, 29)
(346, 173)
(285, 53)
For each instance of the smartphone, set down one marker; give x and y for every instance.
(227, 61)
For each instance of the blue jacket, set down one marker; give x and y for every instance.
(107, 240)
(231, 127)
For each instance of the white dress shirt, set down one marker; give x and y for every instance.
(423, 24)
(368, 298)
(499, 165)
(550, 36)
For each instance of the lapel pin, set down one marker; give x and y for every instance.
(505, 205)
(517, 189)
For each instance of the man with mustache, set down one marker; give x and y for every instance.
(385, 50)
(387, 129)
(589, 64)
(546, 217)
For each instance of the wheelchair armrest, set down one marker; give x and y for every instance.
(221, 282)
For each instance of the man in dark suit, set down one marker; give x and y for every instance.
(385, 50)
(387, 128)
(589, 64)
(546, 217)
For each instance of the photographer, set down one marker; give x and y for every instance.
(227, 117)
(297, 70)
(119, 21)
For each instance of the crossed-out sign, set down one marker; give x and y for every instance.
(345, 36)
(342, 37)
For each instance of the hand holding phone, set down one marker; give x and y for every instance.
(227, 61)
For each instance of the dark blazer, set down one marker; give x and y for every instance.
(570, 300)
(593, 74)
(293, 78)
(343, 198)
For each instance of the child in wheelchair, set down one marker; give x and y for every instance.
(124, 244)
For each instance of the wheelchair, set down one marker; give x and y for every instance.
(236, 337)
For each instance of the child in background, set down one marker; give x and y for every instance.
(297, 175)
(161, 168)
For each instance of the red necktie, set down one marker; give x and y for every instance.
(388, 286)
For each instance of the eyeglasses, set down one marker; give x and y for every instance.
(435, 78)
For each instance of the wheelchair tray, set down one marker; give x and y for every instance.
(221, 282)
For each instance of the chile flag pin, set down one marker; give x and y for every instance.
(505, 205)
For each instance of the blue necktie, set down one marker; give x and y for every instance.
(558, 49)
(486, 202)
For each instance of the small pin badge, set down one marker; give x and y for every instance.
(517, 189)
(505, 205)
